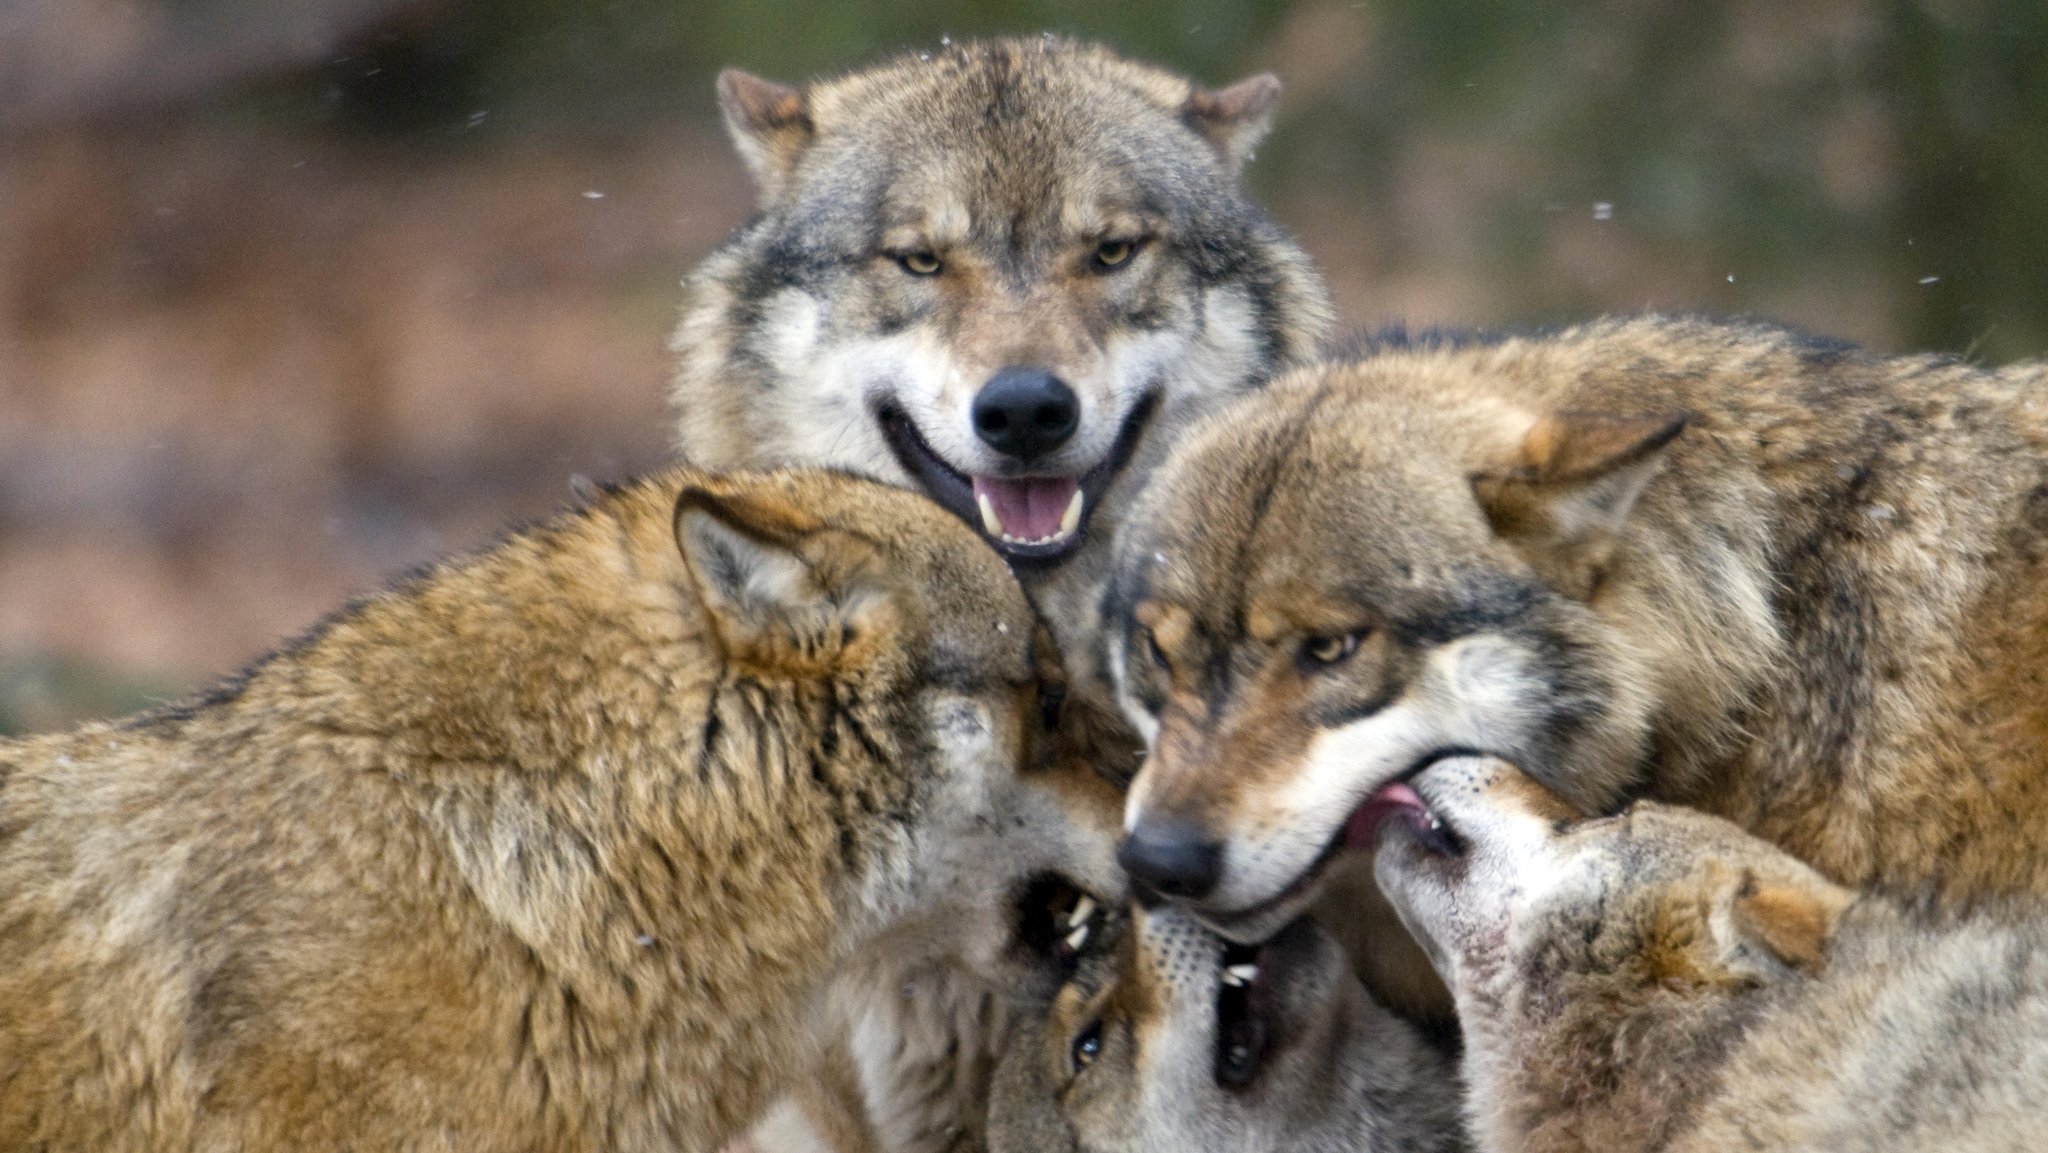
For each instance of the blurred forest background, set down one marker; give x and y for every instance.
(294, 293)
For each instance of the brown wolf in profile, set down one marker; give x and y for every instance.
(1007, 274)
(1178, 1041)
(1781, 579)
(551, 848)
(1661, 980)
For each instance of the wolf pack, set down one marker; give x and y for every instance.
(1065, 701)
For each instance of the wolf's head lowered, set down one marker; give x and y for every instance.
(1361, 570)
(995, 273)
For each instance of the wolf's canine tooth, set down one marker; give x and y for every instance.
(1084, 908)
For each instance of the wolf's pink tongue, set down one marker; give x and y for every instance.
(1363, 829)
(1026, 509)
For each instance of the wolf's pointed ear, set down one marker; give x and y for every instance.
(1768, 930)
(770, 124)
(1234, 119)
(1569, 488)
(771, 576)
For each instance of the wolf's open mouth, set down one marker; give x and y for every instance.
(1056, 921)
(1033, 519)
(1243, 1003)
(1259, 1001)
(1398, 801)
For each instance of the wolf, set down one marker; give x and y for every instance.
(1176, 1040)
(1006, 274)
(551, 848)
(1793, 583)
(1662, 980)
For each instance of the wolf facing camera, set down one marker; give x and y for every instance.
(1005, 274)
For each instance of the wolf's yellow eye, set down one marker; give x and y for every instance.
(1329, 650)
(1087, 1046)
(1115, 253)
(920, 263)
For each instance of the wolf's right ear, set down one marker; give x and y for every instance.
(774, 580)
(1769, 929)
(1233, 120)
(1569, 487)
(770, 124)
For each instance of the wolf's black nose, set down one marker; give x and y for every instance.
(1173, 858)
(1025, 412)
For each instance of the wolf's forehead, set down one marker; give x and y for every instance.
(1307, 527)
(964, 193)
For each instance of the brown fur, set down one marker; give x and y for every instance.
(1788, 581)
(550, 848)
(1662, 980)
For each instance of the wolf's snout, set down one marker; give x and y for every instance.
(1026, 412)
(1172, 858)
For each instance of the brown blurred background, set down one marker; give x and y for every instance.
(295, 293)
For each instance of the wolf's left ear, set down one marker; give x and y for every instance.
(1569, 487)
(771, 576)
(1770, 929)
(1234, 119)
(769, 123)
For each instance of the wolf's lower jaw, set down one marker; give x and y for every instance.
(1016, 515)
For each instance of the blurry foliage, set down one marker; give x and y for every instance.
(635, 52)
(1876, 168)
(1890, 137)
(40, 693)
(1763, 136)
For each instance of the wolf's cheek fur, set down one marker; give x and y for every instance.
(823, 416)
(1197, 361)
(999, 822)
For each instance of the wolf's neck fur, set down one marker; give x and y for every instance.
(1834, 581)
(1609, 1061)
(662, 857)
(1387, 1089)
(1599, 1064)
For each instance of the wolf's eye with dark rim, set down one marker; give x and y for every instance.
(921, 263)
(1324, 651)
(1087, 1046)
(1115, 253)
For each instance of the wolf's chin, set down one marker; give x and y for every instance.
(1050, 514)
